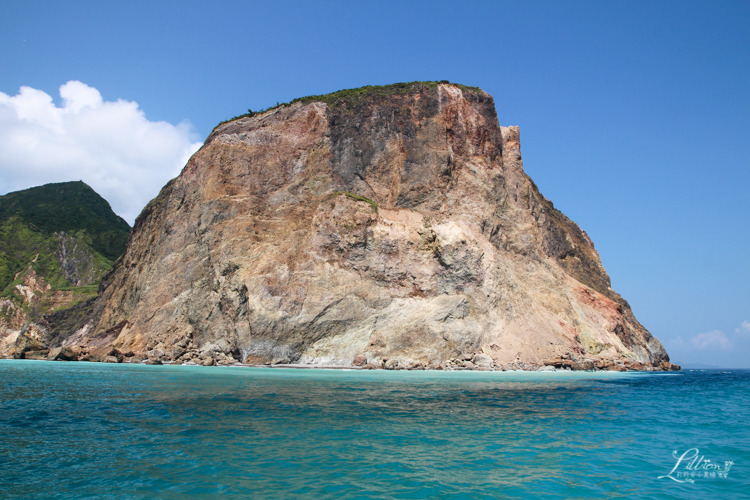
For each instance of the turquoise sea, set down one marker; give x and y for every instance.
(90, 430)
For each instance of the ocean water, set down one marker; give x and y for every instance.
(90, 430)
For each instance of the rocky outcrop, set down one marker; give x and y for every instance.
(387, 228)
(77, 260)
(22, 314)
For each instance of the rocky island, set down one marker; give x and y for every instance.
(383, 227)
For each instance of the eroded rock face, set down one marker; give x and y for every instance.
(23, 328)
(255, 249)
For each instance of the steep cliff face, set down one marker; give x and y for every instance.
(393, 227)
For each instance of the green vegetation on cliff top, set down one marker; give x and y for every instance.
(360, 93)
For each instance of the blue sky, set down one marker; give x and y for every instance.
(634, 116)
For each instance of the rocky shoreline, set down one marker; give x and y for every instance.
(476, 362)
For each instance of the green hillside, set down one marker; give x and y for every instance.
(69, 207)
(66, 233)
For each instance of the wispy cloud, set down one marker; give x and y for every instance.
(110, 145)
(744, 327)
(715, 339)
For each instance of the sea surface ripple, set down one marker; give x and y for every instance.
(91, 430)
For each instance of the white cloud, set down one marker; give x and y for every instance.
(111, 146)
(711, 340)
(744, 327)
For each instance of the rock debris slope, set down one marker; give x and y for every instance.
(387, 226)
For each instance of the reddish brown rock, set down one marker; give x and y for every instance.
(604, 364)
(64, 354)
(27, 342)
(617, 368)
(102, 353)
(359, 360)
(395, 224)
(38, 355)
(667, 366)
(556, 362)
(584, 365)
